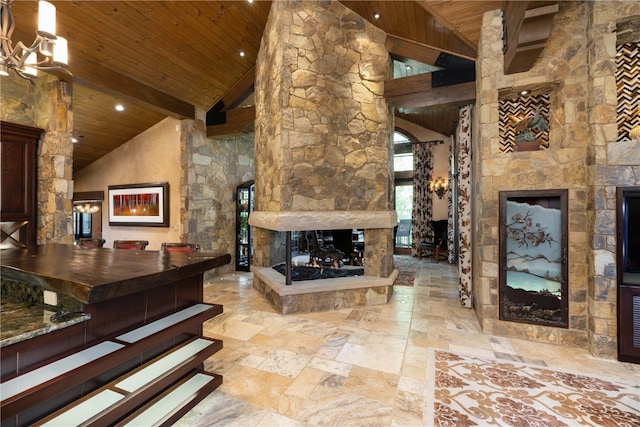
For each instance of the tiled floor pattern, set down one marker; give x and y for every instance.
(353, 367)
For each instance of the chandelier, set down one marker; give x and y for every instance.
(86, 208)
(48, 52)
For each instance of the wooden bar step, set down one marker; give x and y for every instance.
(116, 399)
(196, 313)
(174, 402)
(47, 380)
(30, 388)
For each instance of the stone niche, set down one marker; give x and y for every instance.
(324, 150)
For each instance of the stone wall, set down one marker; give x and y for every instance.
(214, 169)
(612, 163)
(18, 100)
(47, 105)
(577, 69)
(323, 129)
(55, 162)
(562, 165)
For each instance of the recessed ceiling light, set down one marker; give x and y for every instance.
(376, 15)
(242, 54)
(249, 1)
(524, 92)
(74, 140)
(119, 107)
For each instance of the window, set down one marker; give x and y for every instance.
(81, 224)
(403, 153)
(410, 67)
(403, 167)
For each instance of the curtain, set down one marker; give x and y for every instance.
(422, 197)
(464, 205)
(452, 244)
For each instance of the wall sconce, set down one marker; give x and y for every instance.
(439, 186)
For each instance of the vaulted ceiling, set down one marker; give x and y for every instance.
(164, 58)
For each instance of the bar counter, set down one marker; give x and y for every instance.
(92, 275)
(111, 290)
(107, 292)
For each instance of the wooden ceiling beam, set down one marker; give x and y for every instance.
(106, 81)
(427, 46)
(227, 130)
(526, 31)
(245, 115)
(239, 121)
(436, 97)
(101, 79)
(240, 90)
(410, 49)
(447, 24)
(406, 85)
(512, 17)
(628, 31)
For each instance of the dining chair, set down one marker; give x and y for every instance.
(87, 242)
(179, 247)
(438, 244)
(130, 244)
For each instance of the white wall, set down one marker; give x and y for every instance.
(152, 156)
(441, 166)
(441, 161)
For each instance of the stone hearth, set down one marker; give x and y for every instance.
(309, 296)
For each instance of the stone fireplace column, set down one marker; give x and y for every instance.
(324, 150)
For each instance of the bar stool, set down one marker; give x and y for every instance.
(179, 247)
(86, 242)
(130, 244)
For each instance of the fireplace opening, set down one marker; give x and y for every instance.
(318, 254)
(309, 272)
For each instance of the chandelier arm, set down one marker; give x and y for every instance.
(24, 75)
(14, 55)
(7, 26)
(8, 23)
(21, 52)
(45, 64)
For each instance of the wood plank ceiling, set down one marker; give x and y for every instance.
(163, 58)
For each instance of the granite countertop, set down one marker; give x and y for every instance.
(91, 275)
(20, 321)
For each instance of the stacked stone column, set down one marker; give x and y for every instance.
(323, 129)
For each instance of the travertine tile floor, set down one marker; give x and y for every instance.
(363, 366)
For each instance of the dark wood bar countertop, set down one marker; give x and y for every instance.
(91, 275)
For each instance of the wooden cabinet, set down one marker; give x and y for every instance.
(628, 273)
(629, 322)
(18, 151)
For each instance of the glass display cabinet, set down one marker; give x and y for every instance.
(244, 240)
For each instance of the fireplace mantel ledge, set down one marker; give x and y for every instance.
(322, 220)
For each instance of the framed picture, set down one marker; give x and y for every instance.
(533, 257)
(141, 205)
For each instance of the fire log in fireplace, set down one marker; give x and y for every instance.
(328, 256)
